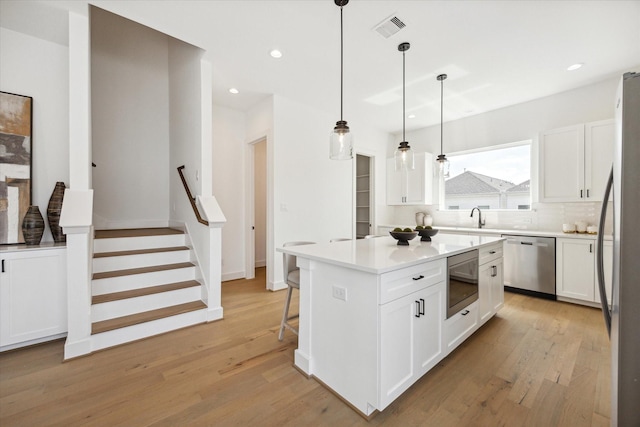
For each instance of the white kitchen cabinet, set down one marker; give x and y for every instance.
(575, 268)
(574, 162)
(33, 296)
(491, 282)
(410, 339)
(413, 187)
(460, 326)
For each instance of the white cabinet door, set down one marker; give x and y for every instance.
(598, 158)
(410, 339)
(574, 162)
(575, 261)
(497, 285)
(413, 187)
(561, 164)
(485, 302)
(33, 295)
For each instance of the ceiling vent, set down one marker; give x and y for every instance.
(389, 26)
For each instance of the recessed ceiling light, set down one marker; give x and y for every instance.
(574, 66)
(275, 53)
(411, 116)
(233, 90)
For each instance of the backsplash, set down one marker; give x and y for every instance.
(543, 216)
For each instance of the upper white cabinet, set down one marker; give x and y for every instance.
(33, 296)
(411, 187)
(575, 162)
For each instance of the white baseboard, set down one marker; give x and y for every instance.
(262, 263)
(232, 276)
(277, 286)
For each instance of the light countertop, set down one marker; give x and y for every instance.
(382, 254)
(511, 231)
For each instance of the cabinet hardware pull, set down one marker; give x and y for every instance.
(527, 243)
(419, 277)
(422, 301)
(590, 248)
(3, 266)
(492, 252)
(587, 193)
(581, 194)
(494, 271)
(464, 313)
(417, 309)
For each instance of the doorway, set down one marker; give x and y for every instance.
(257, 195)
(364, 197)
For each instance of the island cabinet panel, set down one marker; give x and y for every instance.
(460, 326)
(491, 281)
(410, 340)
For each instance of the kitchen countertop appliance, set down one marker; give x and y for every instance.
(530, 265)
(623, 317)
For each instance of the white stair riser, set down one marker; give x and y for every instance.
(142, 260)
(147, 329)
(137, 281)
(113, 309)
(137, 243)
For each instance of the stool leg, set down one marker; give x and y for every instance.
(285, 314)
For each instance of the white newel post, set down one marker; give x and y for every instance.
(216, 219)
(75, 219)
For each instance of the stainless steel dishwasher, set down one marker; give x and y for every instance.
(530, 265)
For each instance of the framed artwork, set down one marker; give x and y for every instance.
(15, 164)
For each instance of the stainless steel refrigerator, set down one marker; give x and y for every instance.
(623, 316)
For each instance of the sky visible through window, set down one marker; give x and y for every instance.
(510, 164)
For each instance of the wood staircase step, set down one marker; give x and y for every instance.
(141, 270)
(135, 232)
(147, 316)
(134, 293)
(139, 252)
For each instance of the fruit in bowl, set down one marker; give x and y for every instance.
(403, 235)
(426, 233)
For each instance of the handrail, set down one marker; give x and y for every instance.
(192, 199)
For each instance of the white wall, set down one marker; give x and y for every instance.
(229, 186)
(40, 69)
(130, 122)
(511, 124)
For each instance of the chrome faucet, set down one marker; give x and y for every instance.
(480, 221)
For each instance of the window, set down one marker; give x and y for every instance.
(497, 177)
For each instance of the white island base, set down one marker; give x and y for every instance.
(373, 314)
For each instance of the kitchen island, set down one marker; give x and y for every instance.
(373, 314)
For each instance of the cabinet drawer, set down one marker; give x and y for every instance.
(460, 326)
(489, 253)
(396, 284)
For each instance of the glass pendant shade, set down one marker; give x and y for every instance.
(404, 157)
(443, 166)
(341, 142)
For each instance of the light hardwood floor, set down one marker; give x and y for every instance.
(537, 363)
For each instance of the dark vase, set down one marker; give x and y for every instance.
(33, 226)
(53, 213)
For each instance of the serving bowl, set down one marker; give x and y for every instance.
(403, 237)
(426, 234)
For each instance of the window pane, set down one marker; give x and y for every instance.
(496, 178)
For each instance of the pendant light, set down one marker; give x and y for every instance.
(442, 159)
(403, 154)
(341, 138)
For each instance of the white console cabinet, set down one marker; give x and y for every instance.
(33, 296)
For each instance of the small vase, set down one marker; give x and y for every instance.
(419, 218)
(428, 220)
(33, 226)
(53, 213)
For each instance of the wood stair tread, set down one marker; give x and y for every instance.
(140, 251)
(141, 270)
(135, 232)
(134, 293)
(146, 316)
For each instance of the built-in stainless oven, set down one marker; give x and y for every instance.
(462, 281)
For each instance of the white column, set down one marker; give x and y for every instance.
(302, 355)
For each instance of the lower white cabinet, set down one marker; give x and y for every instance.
(575, 269)
(33, 296)
(460, 326)
(491, 282)
(410, 339)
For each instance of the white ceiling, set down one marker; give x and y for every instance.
(496, 53)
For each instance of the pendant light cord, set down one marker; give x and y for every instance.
(441, 114)
(403, 100)
(341, 62)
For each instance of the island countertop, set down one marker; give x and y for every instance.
(382, 254)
